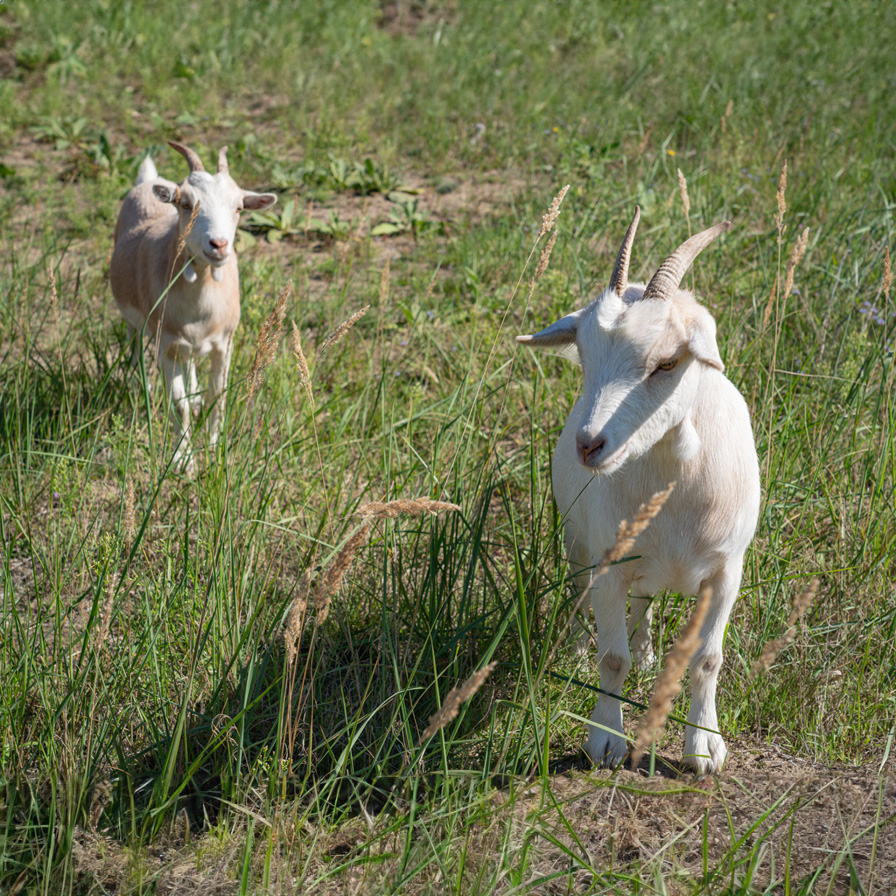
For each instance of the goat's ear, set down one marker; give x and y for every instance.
(256, 202)
(166, 191)
(559, 336)
(702, 339)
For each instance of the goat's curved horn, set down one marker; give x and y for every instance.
(619, 277)
(223, 167)
(671, 272)
(189, 155)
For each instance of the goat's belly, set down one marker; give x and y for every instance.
(653, 577)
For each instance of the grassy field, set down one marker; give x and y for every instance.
(220, 684)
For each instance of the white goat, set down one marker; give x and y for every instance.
(174, 271)
(656, 408)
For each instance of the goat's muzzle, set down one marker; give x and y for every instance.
(590, 449)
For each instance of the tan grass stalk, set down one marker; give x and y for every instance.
(385, 276)
(302, 362)
(548, 219)
(642, 146)
(268, 339)
(456, 698)
(766, 315)
(683, 189)
(331, 578)
(782, 203)
(887, 281)
(182, 239)
(100, 634)
(54, 300)
(771, 649)
(796, 256)
(342, 329)
(415, 507)
(545, 256)
(130, 513)
(629, 532)
(294, 624)
(727, 114)
(668, 683)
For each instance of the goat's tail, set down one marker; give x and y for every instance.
(146, 171)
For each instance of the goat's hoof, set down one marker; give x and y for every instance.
(704, 753)
(606, 750)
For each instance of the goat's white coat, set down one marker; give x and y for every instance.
(190, 303)
(635, 429)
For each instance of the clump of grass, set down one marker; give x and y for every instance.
(456, 698)
(668, 683)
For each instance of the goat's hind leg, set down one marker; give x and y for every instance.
(640, 636)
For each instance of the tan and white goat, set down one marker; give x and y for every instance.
(174, 272)
(656, 408)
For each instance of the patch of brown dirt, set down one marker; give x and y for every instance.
(814, 818)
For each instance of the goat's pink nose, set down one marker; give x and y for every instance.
(220, 245)
(590, 448)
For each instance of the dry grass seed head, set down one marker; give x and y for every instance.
(727, 114)
(545, 255)
(454, 700)
(384, 283)
(294, 624)
(796, 256)
(130, 513)
(268, 339)
(182, 239)
(887, 281)
(100, 634)
(415, 507)
(668, 683)
(781, 202)
(302, 363)
(771, 649)
(629, 532)
(342, 329)
(548, 219)
(683, 189)
(331, 578)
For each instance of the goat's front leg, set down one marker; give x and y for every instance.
(176, 372)
(214, 399)
(606, 744)
(704, 748)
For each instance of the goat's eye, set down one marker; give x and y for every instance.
(665, 365)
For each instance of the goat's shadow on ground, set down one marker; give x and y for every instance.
(581, 762)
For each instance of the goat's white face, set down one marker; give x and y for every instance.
(638, 347)
(637, 363)
(217, 201)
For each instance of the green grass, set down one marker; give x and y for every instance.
(156, 737)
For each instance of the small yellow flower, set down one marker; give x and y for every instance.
(670, 152)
